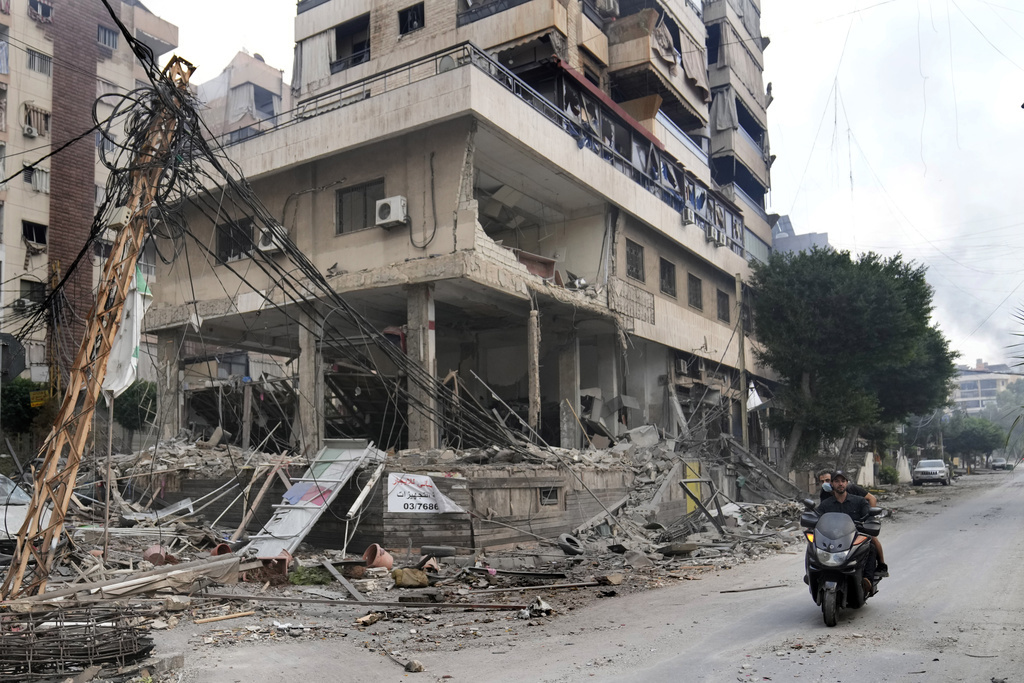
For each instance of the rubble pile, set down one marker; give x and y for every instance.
(193, 459)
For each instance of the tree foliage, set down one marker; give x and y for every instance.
(16, 411)
(970, 437)
(851, 340)
(134, 407)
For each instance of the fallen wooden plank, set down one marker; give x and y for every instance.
(343, 581)
(552, 586)
(377, 603)
(224, 617)
(514, 572)
(758, 588)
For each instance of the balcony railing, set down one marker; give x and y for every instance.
(755, 206)
(471, 11)
(360, 57)
(658, 173)
(677, 133)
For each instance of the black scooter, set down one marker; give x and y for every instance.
(837, 556)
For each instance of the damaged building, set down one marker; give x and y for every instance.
(541, 209)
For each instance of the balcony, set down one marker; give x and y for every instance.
(641, 65)
(158, 35)
(632, 150)
(470, 12)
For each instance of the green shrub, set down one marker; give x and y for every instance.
(889, 475)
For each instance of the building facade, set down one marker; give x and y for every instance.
(976, 387)
(56, 59)
(554, 200)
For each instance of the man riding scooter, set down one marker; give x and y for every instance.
(858, 508)
(825, 479)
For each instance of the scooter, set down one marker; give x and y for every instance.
(837, 556)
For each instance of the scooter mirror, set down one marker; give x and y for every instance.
(809, 504)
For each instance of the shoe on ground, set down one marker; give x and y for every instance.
(867, 585)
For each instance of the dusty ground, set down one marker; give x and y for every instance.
(279, 636)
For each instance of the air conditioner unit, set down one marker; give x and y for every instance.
(709, 234)
(269, 242)
(392, 211)
(20, 305)
(30, 132)
(722, 239)
(689, 217)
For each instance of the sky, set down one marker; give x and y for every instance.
(896, 124)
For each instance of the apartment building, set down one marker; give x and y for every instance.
(977, 386)
(558, 197)
(55, 60)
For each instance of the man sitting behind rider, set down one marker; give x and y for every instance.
(858, 508)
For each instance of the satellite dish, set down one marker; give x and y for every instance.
(12, 357)
(447, 63)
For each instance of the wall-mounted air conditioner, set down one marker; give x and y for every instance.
(269, 242)
(30, 132)
(20, 305)
(392, 211)
(689, 217)
(721, 238)
(709, 233)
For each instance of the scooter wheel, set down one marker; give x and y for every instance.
(828, 608)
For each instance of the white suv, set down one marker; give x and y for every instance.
(931, 470)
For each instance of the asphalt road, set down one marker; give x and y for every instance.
(953, 610)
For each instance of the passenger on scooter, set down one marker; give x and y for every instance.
(825, 479)
(856, 507)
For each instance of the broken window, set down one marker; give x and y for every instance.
(714, 42)
(33, 290)
(40, 11)
(107, 37)
(351, 43)
(38, 178)
(234, 240)
(634, 260)
(549, 495)
(106, 141)
(410, 19)
(723, 306)
(668, 277)
(33, 232)
(39, 62)
(694, 291)
(357, 206)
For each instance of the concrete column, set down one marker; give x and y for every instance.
(170, 397)
(569, 393)
(311, 386)
(533, 368)
(422, 350)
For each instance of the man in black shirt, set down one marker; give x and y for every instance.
(825, 477)
(858, 509)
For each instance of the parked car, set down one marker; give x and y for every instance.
(14, 502)
(931, 470)
(999, 464)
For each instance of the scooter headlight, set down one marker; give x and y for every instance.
(832, 559)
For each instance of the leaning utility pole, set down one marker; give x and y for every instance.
(39, 539)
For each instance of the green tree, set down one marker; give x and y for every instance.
(135, 407)
(971, 437)
(16, 411)
(851, 340)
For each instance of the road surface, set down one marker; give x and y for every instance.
(953, 610)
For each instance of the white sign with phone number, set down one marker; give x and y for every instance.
(417, 493)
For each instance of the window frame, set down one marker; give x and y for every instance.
(549, 496)
(103, 32)
(355, 28)
(408, 13)
(31, 231)
(32, 290)
(694, 292)
(663, 262)
(723, 306)
(369, 209)
(38, 59)
(634, 250)
(229, 235)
